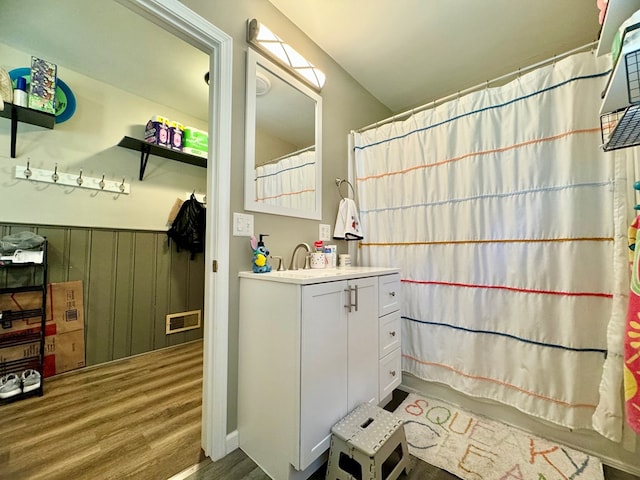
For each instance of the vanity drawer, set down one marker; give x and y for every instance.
(388, 294)
(389, 335)
(390, 373)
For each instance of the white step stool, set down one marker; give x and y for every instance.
(363, 441)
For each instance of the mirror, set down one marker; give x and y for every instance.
(283, 171)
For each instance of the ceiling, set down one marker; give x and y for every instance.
(108, 42)
(404, 52)
(411, 52)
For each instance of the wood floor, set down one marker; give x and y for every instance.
(138, 418)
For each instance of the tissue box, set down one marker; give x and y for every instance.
(42, 85)
(157, 131)
(195, 142)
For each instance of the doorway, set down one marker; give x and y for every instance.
(176, 18)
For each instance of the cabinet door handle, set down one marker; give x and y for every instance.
(393, 294)
(393, 373)
(393, 334)
(349, 305)
(356, 288)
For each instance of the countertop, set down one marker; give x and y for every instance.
(319, 275)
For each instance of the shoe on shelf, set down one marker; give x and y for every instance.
(9, 385)
(30, 380)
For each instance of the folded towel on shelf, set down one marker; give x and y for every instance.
(347, 221)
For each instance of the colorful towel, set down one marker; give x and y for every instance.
(632, 336)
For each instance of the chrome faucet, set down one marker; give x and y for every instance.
(294, 263)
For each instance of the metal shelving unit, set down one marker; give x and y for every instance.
(25, 277)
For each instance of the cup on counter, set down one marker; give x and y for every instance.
(317, 260)
(344, 260)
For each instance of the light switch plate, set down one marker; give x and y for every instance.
(324, 232)
(242, 225)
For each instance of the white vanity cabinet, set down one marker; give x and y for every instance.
(309, 353)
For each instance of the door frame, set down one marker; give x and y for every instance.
(183, 22)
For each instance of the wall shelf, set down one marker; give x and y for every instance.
(146, 149)
(617, 12)
(620, 108)
(621, 129)
(17, 114)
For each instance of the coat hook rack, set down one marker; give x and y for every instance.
(71, 179)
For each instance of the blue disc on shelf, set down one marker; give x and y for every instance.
(65, 100)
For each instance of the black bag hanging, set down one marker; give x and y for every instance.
(188, 228)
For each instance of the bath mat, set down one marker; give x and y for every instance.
(473, 447)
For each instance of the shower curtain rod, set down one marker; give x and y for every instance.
(297, 152)
(408, 113)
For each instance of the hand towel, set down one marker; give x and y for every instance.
(347, 221)
(632, 341)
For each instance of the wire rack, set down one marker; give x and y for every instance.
(621, 129)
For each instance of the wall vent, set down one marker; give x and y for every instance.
(179, 322)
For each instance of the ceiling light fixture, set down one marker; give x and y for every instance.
(269, 43)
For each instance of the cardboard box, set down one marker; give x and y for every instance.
(69, 351)
(64, 330)
(65, 306)
(20, 302)
(19, 352)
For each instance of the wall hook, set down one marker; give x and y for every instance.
(75, 180)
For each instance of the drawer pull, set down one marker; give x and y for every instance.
(393, 334)
(393, 373)
(393, 294)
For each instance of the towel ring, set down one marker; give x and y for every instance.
(339, 182)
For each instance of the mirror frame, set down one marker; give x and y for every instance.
(253, 60)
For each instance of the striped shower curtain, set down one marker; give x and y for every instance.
(290, 182)
(508, 223)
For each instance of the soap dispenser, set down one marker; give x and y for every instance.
(260, 255)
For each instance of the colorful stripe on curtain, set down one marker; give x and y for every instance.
(289, 182)
(499, 209)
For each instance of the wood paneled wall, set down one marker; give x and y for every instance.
(131, 281)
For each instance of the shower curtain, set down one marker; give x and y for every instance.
(508, 223)
(289, 182)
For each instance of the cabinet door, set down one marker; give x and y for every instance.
(323, 367)
(363, 341)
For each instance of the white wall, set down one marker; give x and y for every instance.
(88, 141)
